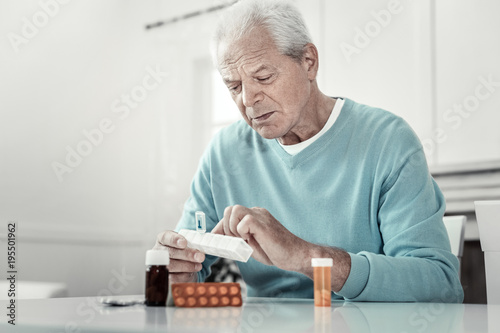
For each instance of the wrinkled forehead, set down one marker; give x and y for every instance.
(248, 64)
(250, 48)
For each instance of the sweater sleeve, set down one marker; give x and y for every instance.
(201, 199)
(416, 264)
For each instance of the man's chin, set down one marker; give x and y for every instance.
(267, 133)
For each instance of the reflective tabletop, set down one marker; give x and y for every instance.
(87, 314)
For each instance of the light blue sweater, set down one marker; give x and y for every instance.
(363, 186)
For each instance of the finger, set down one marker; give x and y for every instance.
(182, 266)
(187, 254)
(219, 228)
(171, 239)
(253, 233)
(182, 277)
(245, 227)
(237, 214)
(254, 224)
(177, 247)
(225, 220)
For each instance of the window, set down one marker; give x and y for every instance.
(224, 110)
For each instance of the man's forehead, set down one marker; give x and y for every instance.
(250, 52)
(249, 63)
(260, 65)
(235, 54)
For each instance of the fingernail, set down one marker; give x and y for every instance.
(181, 242)
(198, 257)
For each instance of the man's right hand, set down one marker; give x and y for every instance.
(184, 261)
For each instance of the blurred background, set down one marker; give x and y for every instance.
(102, 121)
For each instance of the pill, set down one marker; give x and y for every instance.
(201, 290)
(234, 290)
(189, 291)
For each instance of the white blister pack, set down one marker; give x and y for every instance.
(218, 245)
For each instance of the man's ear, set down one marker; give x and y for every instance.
(310, 61)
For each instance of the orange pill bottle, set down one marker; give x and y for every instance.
(322, 281)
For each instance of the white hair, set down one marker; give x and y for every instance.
(282, 20)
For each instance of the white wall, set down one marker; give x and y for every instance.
(468, 80)
(420, 60)
(102, 210)
(72, 75)
(377, 53)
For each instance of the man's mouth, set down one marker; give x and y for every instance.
(264, 117)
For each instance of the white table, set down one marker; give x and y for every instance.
(81, 314)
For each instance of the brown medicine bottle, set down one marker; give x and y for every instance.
(157, 277)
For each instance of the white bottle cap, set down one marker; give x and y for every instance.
(157, 257)
(322, 262)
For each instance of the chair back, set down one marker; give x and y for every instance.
(455, 226)
(488, 223)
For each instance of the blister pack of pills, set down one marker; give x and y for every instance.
(218, 245)
(208, 294)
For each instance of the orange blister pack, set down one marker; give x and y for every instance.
(207, 294)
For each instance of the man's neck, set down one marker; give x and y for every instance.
(312, 122)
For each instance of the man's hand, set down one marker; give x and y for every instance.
(274, 245)
(184, 262)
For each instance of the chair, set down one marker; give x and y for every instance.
(455, 226)
(488, 223)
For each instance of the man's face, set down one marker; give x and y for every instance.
(271, 90)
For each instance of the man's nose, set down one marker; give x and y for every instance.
(251, 94)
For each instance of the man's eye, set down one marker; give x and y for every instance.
(234, 88)
(264, 79)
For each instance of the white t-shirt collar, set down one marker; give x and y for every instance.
(297, 148)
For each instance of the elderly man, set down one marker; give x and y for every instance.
(305, 175)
